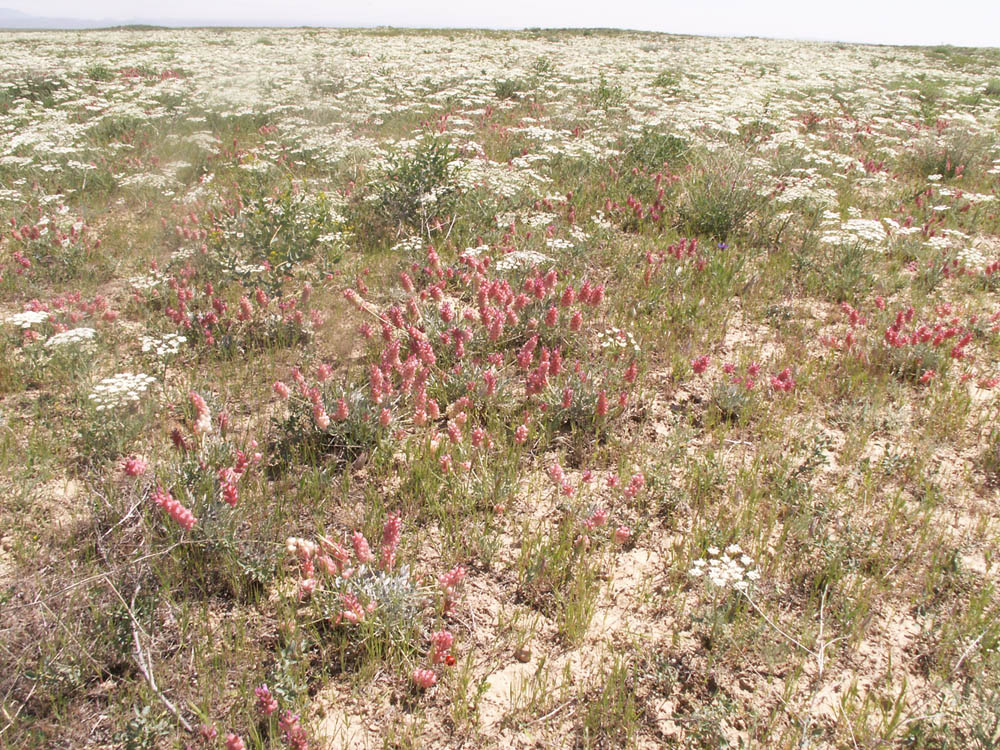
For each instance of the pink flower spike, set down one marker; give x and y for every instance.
(424, 678)
(134, 466)
(361, 549)
(266, 702)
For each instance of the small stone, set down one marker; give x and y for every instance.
(523, 654)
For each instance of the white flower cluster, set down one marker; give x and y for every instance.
(522, 259)
(70, 337)
(410, 245)
(146, 282)
(972, 259)
(244, 269)
(854, 230)
(120, 390)
(731, 569)
(616, 338)
(28, 318)
(164, 346)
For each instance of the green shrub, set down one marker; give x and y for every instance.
(720, 196)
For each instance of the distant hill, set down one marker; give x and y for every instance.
(14, 19)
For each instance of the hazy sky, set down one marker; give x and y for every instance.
(960, 22)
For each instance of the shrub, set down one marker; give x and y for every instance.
(720, 196)
(508, 88)
(417, 184)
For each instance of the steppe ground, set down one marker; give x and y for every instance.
(497, 390)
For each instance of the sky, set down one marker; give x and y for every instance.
(957, 22)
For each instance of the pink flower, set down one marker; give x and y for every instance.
(207, 733)
(424, 678)
(521, 434)
(783, 381)
(320, 416)
(295, 735)
(556, 473)
(598, 519)
(281, 389)
(134, 466)
(342, 411)
(567, 398)
(174, 509)
(602, 404)
(622, 535)
(391, 534)
(442, 642)
(449, 581)
(266, 702)
(635, 485)
(700, 364)
(361, 549)
(233, 742)
(353, 612)
(203, 423)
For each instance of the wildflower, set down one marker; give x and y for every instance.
(602, 404)
(424, 678)
(233, 742)
(266, 703)
(521, 434)
(361, 549)
(622, 535)
(28, 318)
(342, 412)
(320, 416)
(391, 534)
(134, 466)
(636, 484)
(174, 509)
(631, 372)
(353, 612)
(203, 423)
(449, 581)
(207, 733)
(164, 346)
(556, 473)
(566, 300)
(281, 389)
(441, 642)
(596, 520)
(700, 364)
(70, 337)
(783, 381)
(726, 570)
(120, 390)
(295, 735)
